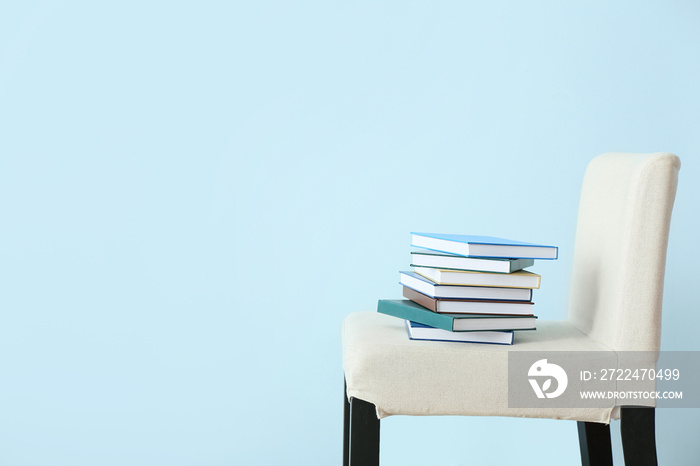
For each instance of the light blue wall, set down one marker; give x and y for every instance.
(194, 194)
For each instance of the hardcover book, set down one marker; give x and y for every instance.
(443, 260)
(468, 306)
(519, 279)
(409, 310)
(418, 331)
(482, 246)
(432, 289)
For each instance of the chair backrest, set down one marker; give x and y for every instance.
(620, 252)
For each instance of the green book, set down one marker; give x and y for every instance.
(408, 310)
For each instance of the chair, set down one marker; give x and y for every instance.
(614, 306)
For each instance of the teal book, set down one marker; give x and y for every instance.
(441, 260)
(482, 246)
(408, 310)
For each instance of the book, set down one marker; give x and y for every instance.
(443, 260)
(519, 279)
(408, 310)
(482, 246)
(418, 331)
(432, 289)
(468, 306)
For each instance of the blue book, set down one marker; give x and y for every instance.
(418, 331)
(482, 246)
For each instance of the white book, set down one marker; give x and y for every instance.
(427, 287)
(519, 279)
(468, 306)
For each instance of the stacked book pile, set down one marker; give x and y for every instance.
(468, 288)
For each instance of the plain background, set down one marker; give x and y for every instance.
(195, 194)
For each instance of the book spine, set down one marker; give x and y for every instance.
(420, 298)
(520, 264)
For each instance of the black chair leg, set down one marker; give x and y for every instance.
(596, 447)
(637, 428)
(346, 426)
(360, 433)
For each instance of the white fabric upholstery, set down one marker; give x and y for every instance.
(620, 254)
(615, 305)
(402, 376)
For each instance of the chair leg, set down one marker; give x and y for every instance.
(360, 433)
(346, 426)
(596, 447)
(638, 431)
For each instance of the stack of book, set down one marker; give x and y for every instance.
(468, 288)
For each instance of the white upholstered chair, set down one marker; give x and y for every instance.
(615, 305)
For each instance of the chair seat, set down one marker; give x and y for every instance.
(427, 378)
